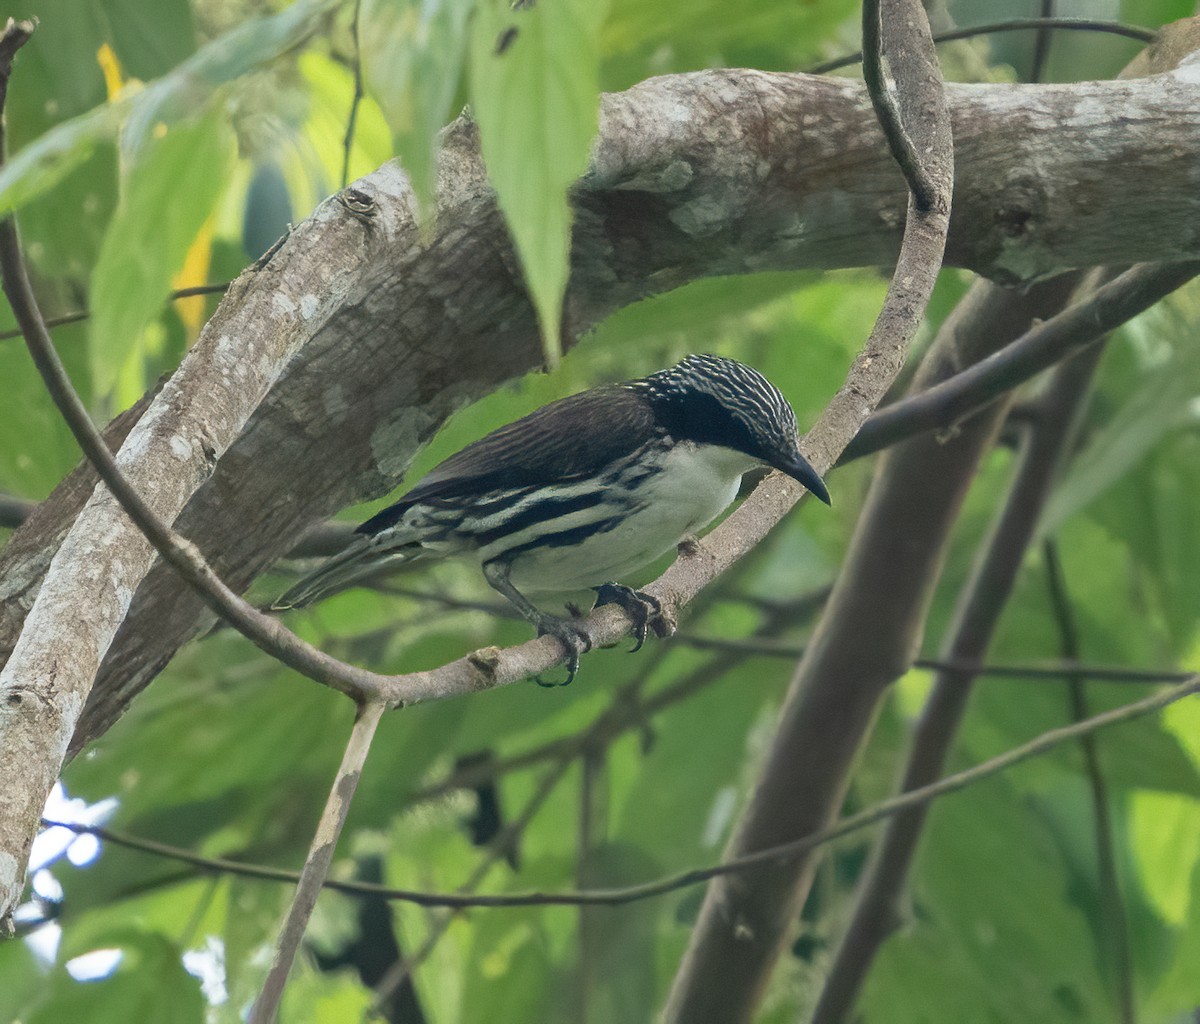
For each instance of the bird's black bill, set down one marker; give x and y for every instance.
(798, 469)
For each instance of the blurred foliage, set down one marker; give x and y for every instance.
(118, 106)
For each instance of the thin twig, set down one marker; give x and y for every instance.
(1079, 325)
(876, 910)
(16, 34)
(1049, 671)
(352, 120)
(82, 314)
(316, 865)
(1042, 744)
(1112, 906)
(1116, 28)
(1041, 42)
(887, 109)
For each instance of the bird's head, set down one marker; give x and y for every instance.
(713, 400)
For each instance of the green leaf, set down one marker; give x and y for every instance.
(621, 982)
(184, 92)
(642, 39)
(1166, 367)
(317, 997)
(996, 936)
(147, 241)
(412, 55)
(149, 36)
(150, 984)
(535, 94)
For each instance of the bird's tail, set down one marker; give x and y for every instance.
(363, 558)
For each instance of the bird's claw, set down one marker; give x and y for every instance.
(574, 639)
(646, 611)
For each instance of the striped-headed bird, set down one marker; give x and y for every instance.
(584, 491)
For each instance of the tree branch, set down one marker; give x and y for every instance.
(1085, 322)
(743, 922)
(1115, 927)
(1042, 744)
(1116, 28)
(316, 864)
(876, 913)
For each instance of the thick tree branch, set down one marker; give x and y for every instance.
(876, 911)
(742, 924)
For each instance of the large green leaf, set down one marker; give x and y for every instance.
(169, 193)
(176, 96)
(412, 58)
(1157, 354)
(535, 94)
(996, 936)
(642, 39)
(36, 448)
(1177, 994)
(150, 984)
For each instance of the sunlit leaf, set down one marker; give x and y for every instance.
(975, 953)
(412, 58)
(175, 97)
(535, 94)
(149, 238)
(149, 984)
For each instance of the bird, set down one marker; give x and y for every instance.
(585, 491)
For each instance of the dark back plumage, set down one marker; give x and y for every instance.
(569, 439)
(706, 399)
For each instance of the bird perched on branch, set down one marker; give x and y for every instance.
(585, 490)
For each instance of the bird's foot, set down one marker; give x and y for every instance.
(646, 611)
(574, 639)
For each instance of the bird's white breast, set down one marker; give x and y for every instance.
(695, 484)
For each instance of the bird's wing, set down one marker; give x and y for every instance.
(567, 440)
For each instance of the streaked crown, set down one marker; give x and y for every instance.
(713, 400)
(718, 389)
